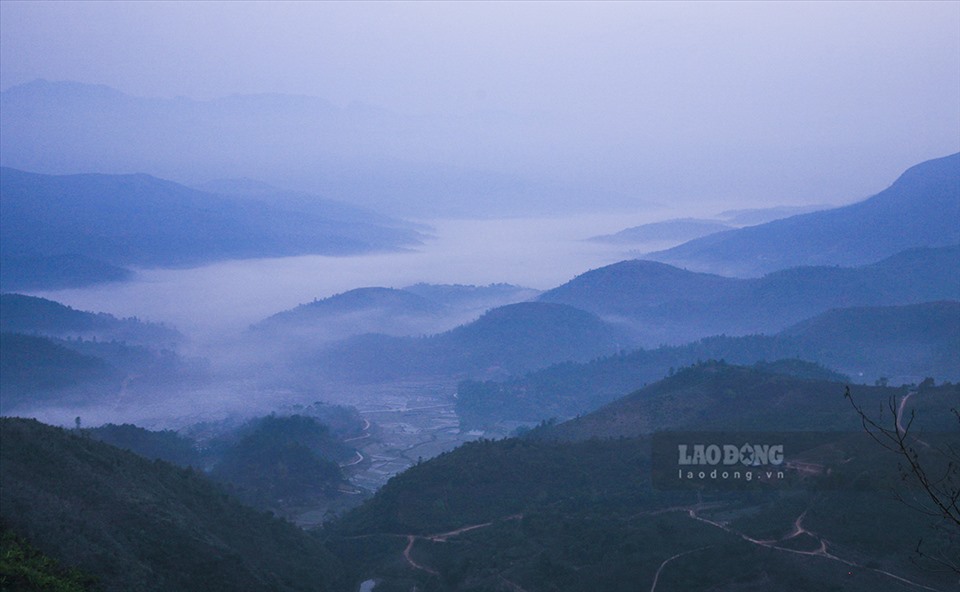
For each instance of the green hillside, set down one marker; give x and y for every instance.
(136, 524)
(542, 514)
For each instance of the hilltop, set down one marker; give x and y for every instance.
(919, 209)
(116, 221)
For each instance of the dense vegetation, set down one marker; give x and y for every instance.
(146, 525)
(25, 569)
(547, 515)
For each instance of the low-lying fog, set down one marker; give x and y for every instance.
(222, 298)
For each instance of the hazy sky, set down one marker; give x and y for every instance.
(831, 99)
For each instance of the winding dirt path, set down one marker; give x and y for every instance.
(442, 538)
(820, 552)
(656, 576)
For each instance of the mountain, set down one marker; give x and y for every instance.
(404, 165)
(136, 524)
(470, 298)
(899, 344)
(124, 220)
(38, 316)
(664, 304)
(754, 216)
(682, 229)
(589, 514)
(35, 369)
(55, 272)
(505, 340)
(421, 309)
(920, 209)
(715, 396)
(363, 310)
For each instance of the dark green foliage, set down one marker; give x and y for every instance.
(145, 525)
(712, 396)
(25, 569)
(277, 461)
(582, 516)
(164, 445)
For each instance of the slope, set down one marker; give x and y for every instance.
(899, 344)
(920, 209)
(142, 525)
(123, 220)
(663, 304)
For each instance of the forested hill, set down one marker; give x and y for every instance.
(136, 524)
(665, 304)
(116, 221)
(896, 344)
(718, 396)
(31, 315)
(920, 209)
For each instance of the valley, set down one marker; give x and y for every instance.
(476, 404)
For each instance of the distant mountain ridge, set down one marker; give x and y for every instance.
(28, 314)
(401, 165)
(920, 209)
(421, 309)
(505, 340)
(898, 343)
(123, 220)
(664, 304)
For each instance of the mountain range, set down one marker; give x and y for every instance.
(919, 209)
(658, 303)
(898, 344)
(576, 506)
(404, 165)
(110, 222)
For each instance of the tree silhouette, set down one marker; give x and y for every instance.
(935, 469)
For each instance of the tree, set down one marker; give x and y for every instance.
(934, 469)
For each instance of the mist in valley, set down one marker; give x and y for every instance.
(389, 269)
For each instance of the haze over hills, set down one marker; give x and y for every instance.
(503, 341)
(683, 229)
(123, 220)
(899, 344)
(28, 314)
(421, 309)
(919, 209)
(659, 303)
(403, 165)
